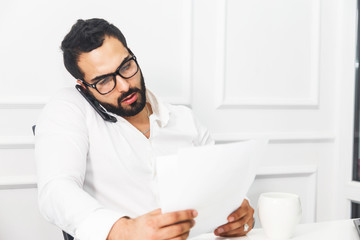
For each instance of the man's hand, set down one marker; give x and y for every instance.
(235, 227)
(155, 226)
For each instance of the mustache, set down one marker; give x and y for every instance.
(128, 93)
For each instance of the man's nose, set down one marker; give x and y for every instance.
(122, 85)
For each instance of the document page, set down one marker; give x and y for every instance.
(211, 179)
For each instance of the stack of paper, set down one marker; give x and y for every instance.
(211, 179)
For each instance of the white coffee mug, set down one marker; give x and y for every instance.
(279, 213)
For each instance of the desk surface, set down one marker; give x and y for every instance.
(334, 230)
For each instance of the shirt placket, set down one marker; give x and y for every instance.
(154, 128)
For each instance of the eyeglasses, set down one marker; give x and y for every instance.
(107, 83)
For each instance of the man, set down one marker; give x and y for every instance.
(95, 164)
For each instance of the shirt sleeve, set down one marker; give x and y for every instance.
(61, 146)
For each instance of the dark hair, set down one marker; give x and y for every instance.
(85, 36)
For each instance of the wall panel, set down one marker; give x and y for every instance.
(20, 217)
(271, 53)
(303, 184)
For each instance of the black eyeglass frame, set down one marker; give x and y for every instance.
(117, 72)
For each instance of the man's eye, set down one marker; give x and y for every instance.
(125, 67)
(104, 81)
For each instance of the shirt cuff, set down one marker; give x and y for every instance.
(98, 225)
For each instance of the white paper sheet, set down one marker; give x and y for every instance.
(211, 179)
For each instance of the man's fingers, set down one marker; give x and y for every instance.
(155, 212)
(233, 225)
(237, 214)
(238, 231)
(175, 217)
(227, 227)
(182, 237)
(242, 211)
(237, 219)
(176, 230)
(245, 202)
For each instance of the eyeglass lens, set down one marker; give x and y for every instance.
(107, 84)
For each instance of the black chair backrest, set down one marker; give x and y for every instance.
(66, 236)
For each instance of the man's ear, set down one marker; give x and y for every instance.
(80, 83)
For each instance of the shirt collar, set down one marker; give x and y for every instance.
(161, 112)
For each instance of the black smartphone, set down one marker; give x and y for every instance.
(96, 105)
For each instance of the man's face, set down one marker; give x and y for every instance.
(128, 97)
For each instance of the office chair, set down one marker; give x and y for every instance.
(66, 236)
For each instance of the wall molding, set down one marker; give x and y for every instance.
(18, 182)
(29, 181)
(352, 191)
(223, 102)
(187, 53)
(17, 142)
(305, 179)
(287, 170)
(186, 34)
(27, 142)
(18, 102)
(277, 138)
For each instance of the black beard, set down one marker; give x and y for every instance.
(133, 108)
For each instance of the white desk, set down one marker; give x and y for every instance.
(335, 230)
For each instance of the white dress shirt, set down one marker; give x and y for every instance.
(92, 172)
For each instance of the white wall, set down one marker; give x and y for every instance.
(275, 69)
(258, 68)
